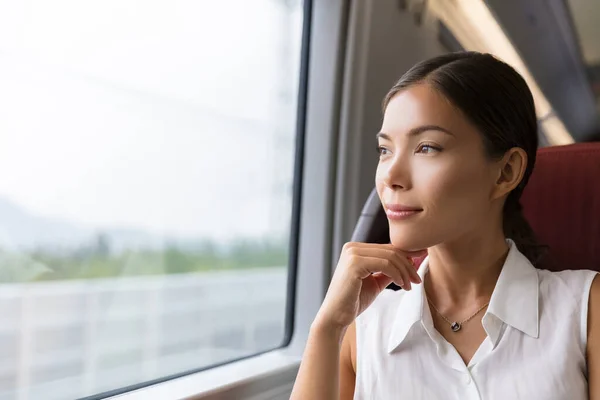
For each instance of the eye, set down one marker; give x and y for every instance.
(428, 149)
(382, 151)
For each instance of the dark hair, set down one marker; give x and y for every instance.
(497, 100)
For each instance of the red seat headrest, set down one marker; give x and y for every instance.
(562, 204)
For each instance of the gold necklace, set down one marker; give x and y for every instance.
(455, 326)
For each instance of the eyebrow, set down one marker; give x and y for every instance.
(418, 130)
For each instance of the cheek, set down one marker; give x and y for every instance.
(460, 187)
(379, 180)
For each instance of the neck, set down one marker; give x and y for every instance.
(465, 272)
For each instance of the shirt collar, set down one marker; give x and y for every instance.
(514, 300)
(410, 311)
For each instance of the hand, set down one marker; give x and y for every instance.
(364, 270)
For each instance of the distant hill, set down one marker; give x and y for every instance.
(21, 230)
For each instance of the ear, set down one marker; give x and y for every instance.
(511, 169)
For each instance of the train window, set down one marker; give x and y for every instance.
(146, 200)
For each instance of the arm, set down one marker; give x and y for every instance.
(328, 363)
(319, 371)
(348, 364)
(593, 342)
(327, 369)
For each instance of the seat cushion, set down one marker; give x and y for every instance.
(562, 204)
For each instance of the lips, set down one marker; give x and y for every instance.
(400, 207)
(400, 211)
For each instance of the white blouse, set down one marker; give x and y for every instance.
(535, 348)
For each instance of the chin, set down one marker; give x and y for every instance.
(409, 240)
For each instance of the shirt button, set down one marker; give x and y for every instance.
(468, 379)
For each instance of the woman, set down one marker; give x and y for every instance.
(477, 321)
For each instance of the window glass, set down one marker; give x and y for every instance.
(147, 155)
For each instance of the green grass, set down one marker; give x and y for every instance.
(99, 263)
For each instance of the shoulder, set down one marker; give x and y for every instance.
(593, 315)
(593, 340)
(574, 294)
(566, 295)
(569, 284)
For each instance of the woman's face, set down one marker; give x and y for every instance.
(433, 177)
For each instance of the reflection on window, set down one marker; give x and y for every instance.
(145, 204)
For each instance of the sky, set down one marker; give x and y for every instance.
(154, 115)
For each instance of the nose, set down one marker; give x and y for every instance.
(395, 172)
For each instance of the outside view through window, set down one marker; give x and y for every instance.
(147, 153)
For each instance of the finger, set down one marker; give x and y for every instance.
(403, 267)
(410, 267)
(406, 277)
(403, 263)
(415, 253)
(358, 247)
(367, 245)
(408, 253)
(382, 246)
(402, 258)
(402, 270)
(374, 265)
(382, 280)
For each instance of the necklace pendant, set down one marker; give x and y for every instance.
(455, 327)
